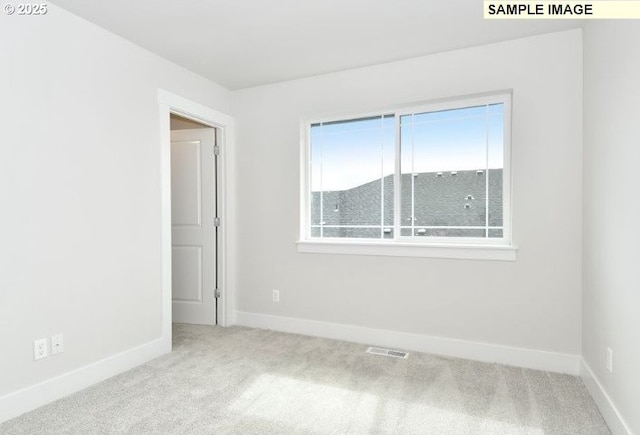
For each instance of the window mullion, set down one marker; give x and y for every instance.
(321, 179)
(486, 144)
(413, 179)
(396, 181)
(382, 177)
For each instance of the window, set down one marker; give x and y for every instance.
(434, 174)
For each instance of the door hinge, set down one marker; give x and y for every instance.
(217, 293)
(216, 150)
(216, 222)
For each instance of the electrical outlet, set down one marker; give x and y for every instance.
(276, 296)
(57, 344)
(609, 359)
(40, 349)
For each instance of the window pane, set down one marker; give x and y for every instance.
(451, 163)
(352, 232)
(495, 153)
(495, 233)
(352, 164)
(448, 232)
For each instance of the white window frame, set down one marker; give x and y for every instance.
(421, 246)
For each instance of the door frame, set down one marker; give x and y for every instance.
(224, 124)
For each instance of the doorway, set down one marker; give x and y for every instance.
(224, 127)
(194, 222)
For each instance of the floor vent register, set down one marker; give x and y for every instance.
(388, 352)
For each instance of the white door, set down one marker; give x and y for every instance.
(193, 230)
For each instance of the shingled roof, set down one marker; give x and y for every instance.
(442, 199)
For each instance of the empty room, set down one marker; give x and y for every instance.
(358, 217)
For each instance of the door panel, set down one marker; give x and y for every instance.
(186, 183)
(193, 208)
(187, 273)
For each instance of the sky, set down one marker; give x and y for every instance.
(351, 153)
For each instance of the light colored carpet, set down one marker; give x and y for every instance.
(241, 380)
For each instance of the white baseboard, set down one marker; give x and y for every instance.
(29, 398)
(612, 416)
(513, 356)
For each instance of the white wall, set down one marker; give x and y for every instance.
(611, 210)
(80, 220)
(534, 302)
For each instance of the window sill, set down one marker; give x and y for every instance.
(400, 249)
